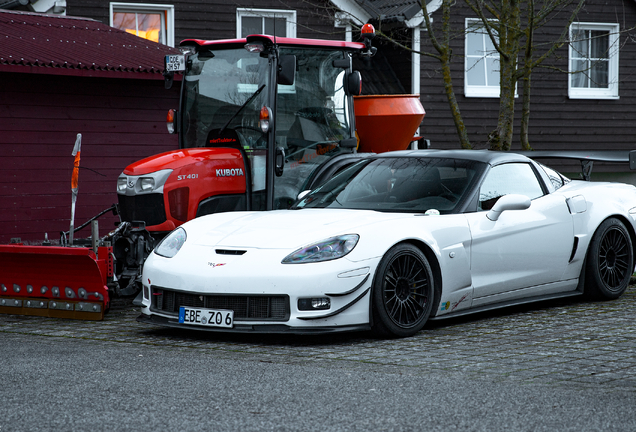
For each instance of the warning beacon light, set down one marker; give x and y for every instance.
(368, 33)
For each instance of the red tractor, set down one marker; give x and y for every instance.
(260, 120)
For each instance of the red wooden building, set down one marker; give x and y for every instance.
(60, 76)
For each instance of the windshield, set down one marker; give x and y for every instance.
(398, 185)
(224, 92)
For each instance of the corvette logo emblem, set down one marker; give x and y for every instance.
(211, 264)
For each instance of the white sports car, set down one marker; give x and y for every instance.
(393, 241)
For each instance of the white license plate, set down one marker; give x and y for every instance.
(175, 63)
(206, 317)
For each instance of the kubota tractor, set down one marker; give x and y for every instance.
(260, 120)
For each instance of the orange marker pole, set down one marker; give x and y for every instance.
(74, 184)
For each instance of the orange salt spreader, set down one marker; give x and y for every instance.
(387, 122)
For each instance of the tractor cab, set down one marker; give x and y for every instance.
(285, 105)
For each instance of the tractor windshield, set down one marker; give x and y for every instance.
(224, 94)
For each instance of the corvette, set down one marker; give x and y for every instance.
(396, 240)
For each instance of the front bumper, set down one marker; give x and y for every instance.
(253, 285)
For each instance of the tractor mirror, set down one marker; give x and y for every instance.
(353, 84)
(286, 69)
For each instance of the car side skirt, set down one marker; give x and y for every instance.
(509, 303)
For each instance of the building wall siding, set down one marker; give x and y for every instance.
(217, 19)
(121, 121)
(556, 121)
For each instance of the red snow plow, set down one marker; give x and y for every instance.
(61, 282)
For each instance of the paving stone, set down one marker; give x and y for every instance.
(585, 343)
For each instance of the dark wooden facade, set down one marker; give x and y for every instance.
(556, 121)
(121, 121)
(217, 19)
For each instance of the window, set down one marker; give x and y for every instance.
(512, 178)
(398, 184)
(593, 61)
(481, 63)
(557, 180)
(148, 21)
(281, 23)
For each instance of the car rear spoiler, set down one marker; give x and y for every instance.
(587, 158)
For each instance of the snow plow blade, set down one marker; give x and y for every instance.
(58, 282)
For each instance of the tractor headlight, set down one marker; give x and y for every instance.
(325, 250)
(170, 245)
(122, 184)
(146, 184)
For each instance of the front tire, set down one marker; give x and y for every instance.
(403, 292)
(610, 261)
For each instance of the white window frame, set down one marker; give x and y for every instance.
(168, 10)
(611, 91)
(492, 91)
(289, 16)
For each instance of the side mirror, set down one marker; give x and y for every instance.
(353, 84)
(508, 202)
(303, 194)
(280, 161)
(286, 69)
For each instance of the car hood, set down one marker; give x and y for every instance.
(282, 229)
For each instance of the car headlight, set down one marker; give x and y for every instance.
(170, 245)
(325, 250)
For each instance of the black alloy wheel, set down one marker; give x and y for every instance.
(403, 292)
(610, 261)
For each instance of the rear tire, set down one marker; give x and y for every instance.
(403, 292)
(610, 261)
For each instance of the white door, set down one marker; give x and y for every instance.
(523, 248)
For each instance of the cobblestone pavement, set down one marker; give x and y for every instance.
(562, 343)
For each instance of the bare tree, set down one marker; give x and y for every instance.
(444, 55)
(502, 20)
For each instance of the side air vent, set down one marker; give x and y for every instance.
(574, 248)
(229, 252)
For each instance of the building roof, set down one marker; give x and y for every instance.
(391, 10)
(54, 44)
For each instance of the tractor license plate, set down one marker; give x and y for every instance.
(206, 317)
(175, 63)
